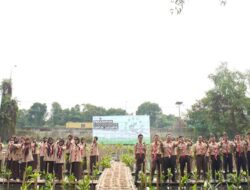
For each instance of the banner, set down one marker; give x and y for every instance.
(121, 129)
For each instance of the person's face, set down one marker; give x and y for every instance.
(27, 141)
(237, 137)
(212, 139)
(156, 138)
(200, 139)
(181, 139)
(225, 137)
(169, 138)
(61, 143)
(140, 138)
(70, 137)
(45, 139)
(76, 141)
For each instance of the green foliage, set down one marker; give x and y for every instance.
(8, 111)
(37, 114)
(183, 181)
(84, 184)
(105, 162)
(128, 160)
(225, 107)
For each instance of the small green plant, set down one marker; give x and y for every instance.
(105, 162)
(183, 181)
(49, 182)
(128, 160)
(84, 184)
(26, 182)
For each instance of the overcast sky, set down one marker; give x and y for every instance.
(119, 53)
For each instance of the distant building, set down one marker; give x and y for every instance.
(78, 125)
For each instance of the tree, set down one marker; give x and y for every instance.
(114, 111)
(22, 118)
(90, 110)
(226, 106)
(151, 109)
(57, 116)
(37, 114)
(8, 111)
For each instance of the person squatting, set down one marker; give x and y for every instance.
(53, 156)
(204, 154)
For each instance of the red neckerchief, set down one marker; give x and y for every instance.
(59, 152)
(184, 147)
(238, 147)
(169, 149)
(51, 150)
(76, 149)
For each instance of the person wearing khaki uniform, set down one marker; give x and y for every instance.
(84, 153)
(240, 146)
(227, 151)
(49, 156)
(214, 152)
(248, 153)
(27, 157)
(17, 156)
(94, 153)
(182, 149)
(140, 155)
(42, 150)
(167, 159)
(69, 143)
(35, 151)
(10, 153)
(76, 158)
(1, 154)
(60, 151)
(156, 150)
(200, 150)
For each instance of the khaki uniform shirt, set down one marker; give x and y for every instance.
(76, 153)
(227, 147)
(140, 148)
(240, 146)
(94, 151)
(49, 152)
(29, 156)
(200, 148)
(168, 149)
(60, 152)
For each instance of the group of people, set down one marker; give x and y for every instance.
(221, 154)
(49, 156)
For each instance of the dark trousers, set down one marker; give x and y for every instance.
(58, 170)
(92, 163)
(227, 164)
(49, 167)
(84, 165)
(0, 166)
(215, 165)
(68, 163)
(35, 161)
(76, 170)
(8, 164)
(156, 165)
(201, 165)
(168, 163)
(241, 162)
(42, 164)
(15, 169)
(248, 162)
(140, 164)
(183, 161)
(23, 166)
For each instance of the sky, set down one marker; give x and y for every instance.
(117, 53)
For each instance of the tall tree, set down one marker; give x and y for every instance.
(57, 116)
(151, 109)
(226, 106)
(37, 114)
(8, 111)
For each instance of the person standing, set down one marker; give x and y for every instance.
(200, 150)
(60, 150)
(10, 151)
(42, 150)
(156, 150)
(69, 143)
(17, 150)
(248, 152)
(182, 148)
(240, 146)
(49, 156)
(214, 152)
(227, 151)
(84, 153)
(140, 155)
(167, 159)
(34, 146)
(27, 157)
(94, 154)
(76, 158)
(1, 154)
